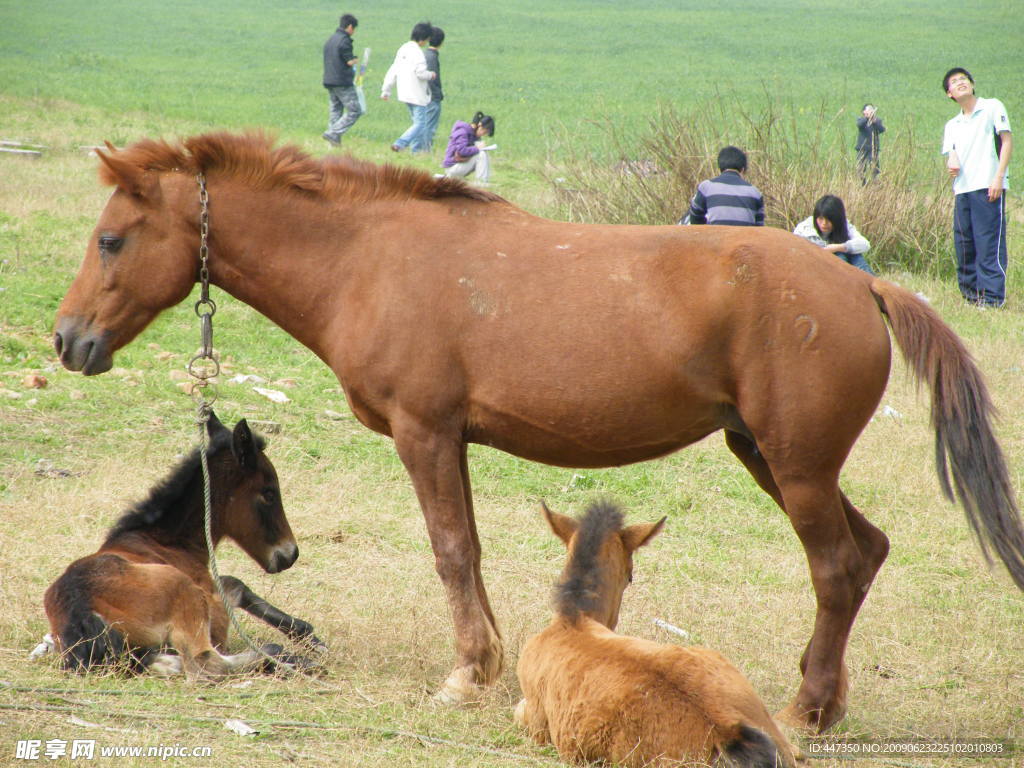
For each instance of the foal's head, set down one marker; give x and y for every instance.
(600, 564)
(249, 509)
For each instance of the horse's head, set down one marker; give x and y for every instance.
(141, 259)
(600, 564)
(252, 514)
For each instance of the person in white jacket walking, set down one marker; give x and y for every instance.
(409, 72)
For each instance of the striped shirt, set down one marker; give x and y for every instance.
(727, 199)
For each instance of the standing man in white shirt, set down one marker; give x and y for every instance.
(977, 144)
(409, 72)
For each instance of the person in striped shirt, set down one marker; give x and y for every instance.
(728, 198)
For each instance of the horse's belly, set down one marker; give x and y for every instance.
(589, 436)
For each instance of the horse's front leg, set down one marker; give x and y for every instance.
(435, 465)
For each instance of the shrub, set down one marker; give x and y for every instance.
(793, 159)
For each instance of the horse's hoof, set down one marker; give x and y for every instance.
(459, 689)
(809, 721)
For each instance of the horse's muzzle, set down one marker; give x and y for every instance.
(88, 351)
(283, 557)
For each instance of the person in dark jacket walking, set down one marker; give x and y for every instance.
(339, 80)
(436, 93)
(869, 126)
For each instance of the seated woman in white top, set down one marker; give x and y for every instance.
(829, 228)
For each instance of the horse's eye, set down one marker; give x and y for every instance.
(269, 496)
(110, 244)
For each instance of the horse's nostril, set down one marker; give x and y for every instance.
(58, 343)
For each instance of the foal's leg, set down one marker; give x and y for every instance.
(190, 635)
(242, 597)
(434, 463)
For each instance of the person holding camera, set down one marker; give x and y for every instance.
(869, 126)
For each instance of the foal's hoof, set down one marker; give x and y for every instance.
(276, 661)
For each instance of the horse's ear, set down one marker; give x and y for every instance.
(635, 536)
(564, 527)
(127, 176)
(244, 445)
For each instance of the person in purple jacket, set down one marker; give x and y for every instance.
(466, 152)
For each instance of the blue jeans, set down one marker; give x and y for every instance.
(344, 109)
(413, 135)
(979, 235)
(433, 117)
(856, 260)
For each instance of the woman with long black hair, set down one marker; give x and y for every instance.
(829, 228)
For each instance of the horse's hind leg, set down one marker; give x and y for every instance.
(841, 575)
(242, 597)
(841, 572)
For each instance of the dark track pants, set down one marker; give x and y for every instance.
(979, 235)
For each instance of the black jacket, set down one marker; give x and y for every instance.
(337, 54)
(434, 65)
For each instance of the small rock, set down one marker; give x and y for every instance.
(240, 727)
(76, 394)
(246, 378)
(272, 394)
(286, 383)
(177, 375)
(334, 415)
(34, 381)
(266, 427)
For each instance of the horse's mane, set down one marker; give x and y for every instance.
(253, 159)
(170, 500)
(577, 592)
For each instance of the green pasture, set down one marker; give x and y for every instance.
(548, 72)
(937, 651)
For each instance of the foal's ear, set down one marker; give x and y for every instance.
(635, 536)
(564, 527)
(243, 445)
(214, 425)
(127, 176)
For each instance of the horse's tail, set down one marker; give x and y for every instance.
(965, 446)
(751, 748)
(83, 637)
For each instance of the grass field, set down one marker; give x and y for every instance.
(937, 651)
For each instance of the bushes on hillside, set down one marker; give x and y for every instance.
(794, 159)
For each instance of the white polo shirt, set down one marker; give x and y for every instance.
(973, 138)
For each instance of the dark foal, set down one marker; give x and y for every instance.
(602, 697)
(148, 588)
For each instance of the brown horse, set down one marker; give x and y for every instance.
(149, 587)
(452, 317)
(599, 696)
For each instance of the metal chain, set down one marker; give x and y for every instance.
(204, 367)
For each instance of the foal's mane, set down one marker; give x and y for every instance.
(253, 159)
(578, 591)
(168, 500)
